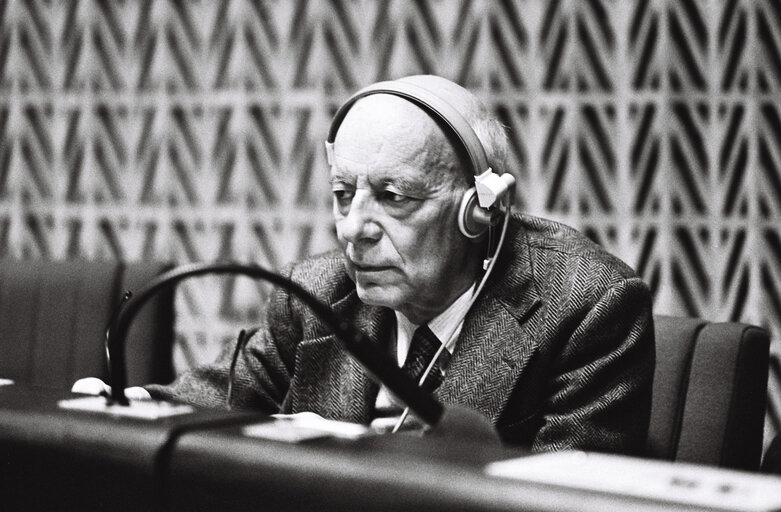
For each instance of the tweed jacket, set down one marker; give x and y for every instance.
(558, 352)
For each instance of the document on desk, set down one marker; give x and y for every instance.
(6, 382)
(294, 428)
(141, 409)
(660, 481)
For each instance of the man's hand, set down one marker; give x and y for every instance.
(96, 387)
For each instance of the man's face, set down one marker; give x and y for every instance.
(395, 207)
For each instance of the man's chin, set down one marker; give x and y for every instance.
(377, 296)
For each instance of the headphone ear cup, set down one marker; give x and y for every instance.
(468, 216)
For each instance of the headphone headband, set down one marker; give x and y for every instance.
(428, 101)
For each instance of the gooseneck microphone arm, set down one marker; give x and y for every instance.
(379, 364)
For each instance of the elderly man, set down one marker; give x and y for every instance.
(556, 350)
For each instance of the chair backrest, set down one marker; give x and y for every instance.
(709, 392)
(53, 319)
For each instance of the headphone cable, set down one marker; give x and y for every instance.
(489, 266)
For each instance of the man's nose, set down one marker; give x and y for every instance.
(360, 223)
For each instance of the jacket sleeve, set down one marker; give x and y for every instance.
(263, 368)
(599, 395)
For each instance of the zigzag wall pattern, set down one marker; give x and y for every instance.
(192, 130)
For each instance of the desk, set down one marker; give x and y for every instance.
(58, 459)
(224, 470)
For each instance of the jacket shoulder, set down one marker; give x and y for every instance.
(553, 241)
(322, 275)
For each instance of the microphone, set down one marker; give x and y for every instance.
(244, 337)
(376, 362)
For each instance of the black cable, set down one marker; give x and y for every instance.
(111, 324)
(376, 362)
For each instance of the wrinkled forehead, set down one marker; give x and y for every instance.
(384, 130)
(384, 117)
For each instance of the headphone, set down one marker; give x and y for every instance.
(476, 212)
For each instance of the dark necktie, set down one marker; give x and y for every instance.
(422, 348)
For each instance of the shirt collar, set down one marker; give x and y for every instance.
(444, 325)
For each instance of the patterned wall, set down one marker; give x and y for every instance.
(191, 131)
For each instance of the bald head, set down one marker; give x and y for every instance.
(386, 128)
(488, 129)
(388, 112)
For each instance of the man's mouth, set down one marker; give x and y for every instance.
(362, 267)
(366, 266)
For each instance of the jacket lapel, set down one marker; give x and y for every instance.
(335, 385)
(496, 341)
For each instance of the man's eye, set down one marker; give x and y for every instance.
(343, 199)
(343, 195)
(392, 197)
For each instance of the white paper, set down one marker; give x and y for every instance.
(142, 409)
(657, 480)
(304, 426)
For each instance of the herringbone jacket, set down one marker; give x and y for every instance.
(557, 353)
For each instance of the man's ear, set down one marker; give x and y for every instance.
(473, 220)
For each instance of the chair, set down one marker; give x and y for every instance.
(709, 392)
(53, 318)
